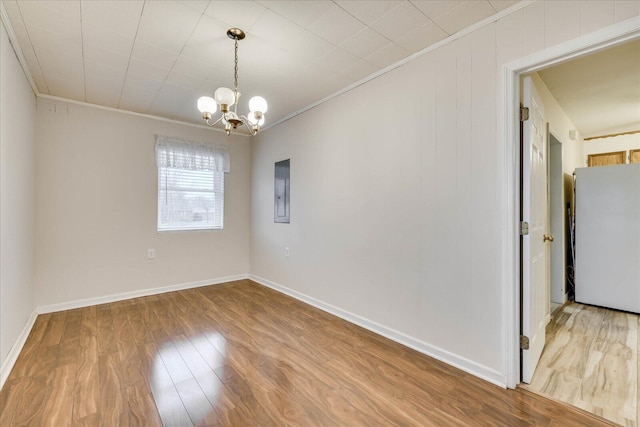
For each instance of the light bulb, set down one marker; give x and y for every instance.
(206, 104)
(258, 103)
(253, 120)
(224, 95)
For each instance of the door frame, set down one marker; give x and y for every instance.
(509, 168)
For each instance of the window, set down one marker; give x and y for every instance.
(190, 184)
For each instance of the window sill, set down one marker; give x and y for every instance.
(180, 230)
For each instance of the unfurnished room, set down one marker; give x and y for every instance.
(319, 213)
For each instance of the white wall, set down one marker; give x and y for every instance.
(395, 199)
(96, 197)
(615, 143)
(17, 198)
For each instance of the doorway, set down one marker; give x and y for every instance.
(597, 41)
(557, 214)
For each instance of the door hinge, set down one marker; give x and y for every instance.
(524, 114)
(524, 228)
(524, 342)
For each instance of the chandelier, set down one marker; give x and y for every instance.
(226, 98)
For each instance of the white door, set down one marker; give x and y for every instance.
(535, 286)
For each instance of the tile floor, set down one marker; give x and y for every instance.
(590, 361)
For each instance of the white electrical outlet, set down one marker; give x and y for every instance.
(286, 252)
(151, 253)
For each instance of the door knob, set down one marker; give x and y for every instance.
(549, 238)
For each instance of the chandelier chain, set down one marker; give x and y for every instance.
(235, 74)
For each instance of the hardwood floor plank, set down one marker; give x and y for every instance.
(88, 321)
(93, 420)
(73, 324)
(68, 351)
(58, 407)
(239, 354)
(10, 397)
(170, 406)
(142, 408)
(30, 412)
(194, 400)
(242, 394)
(203, 373)
(44, 361)
(134, 371)
(208, 351)
(291, 412)
(87, 392)
(162, 324)
(177, 368)
(147, 354)
(37, 385)
(114, 407)
(140, 332)
(55, 329)
(105, 332)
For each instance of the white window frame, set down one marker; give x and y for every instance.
(175, 154)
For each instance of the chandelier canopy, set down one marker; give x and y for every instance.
(225, 98)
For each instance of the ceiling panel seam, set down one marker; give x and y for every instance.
(126, 72)
(13, 39)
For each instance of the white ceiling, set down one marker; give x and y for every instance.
(158, 57)
(600, 92)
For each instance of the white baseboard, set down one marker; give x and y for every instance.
(13, 354)
(469, 366)
(136, 294)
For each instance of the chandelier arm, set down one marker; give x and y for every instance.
(214, 123)
(252, 129)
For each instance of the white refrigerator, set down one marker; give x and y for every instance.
(607, 236)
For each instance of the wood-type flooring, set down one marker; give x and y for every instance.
(240, 354)
(590, 361)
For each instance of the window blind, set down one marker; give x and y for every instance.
(190, 184)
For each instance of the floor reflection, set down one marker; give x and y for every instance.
(184, 385)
